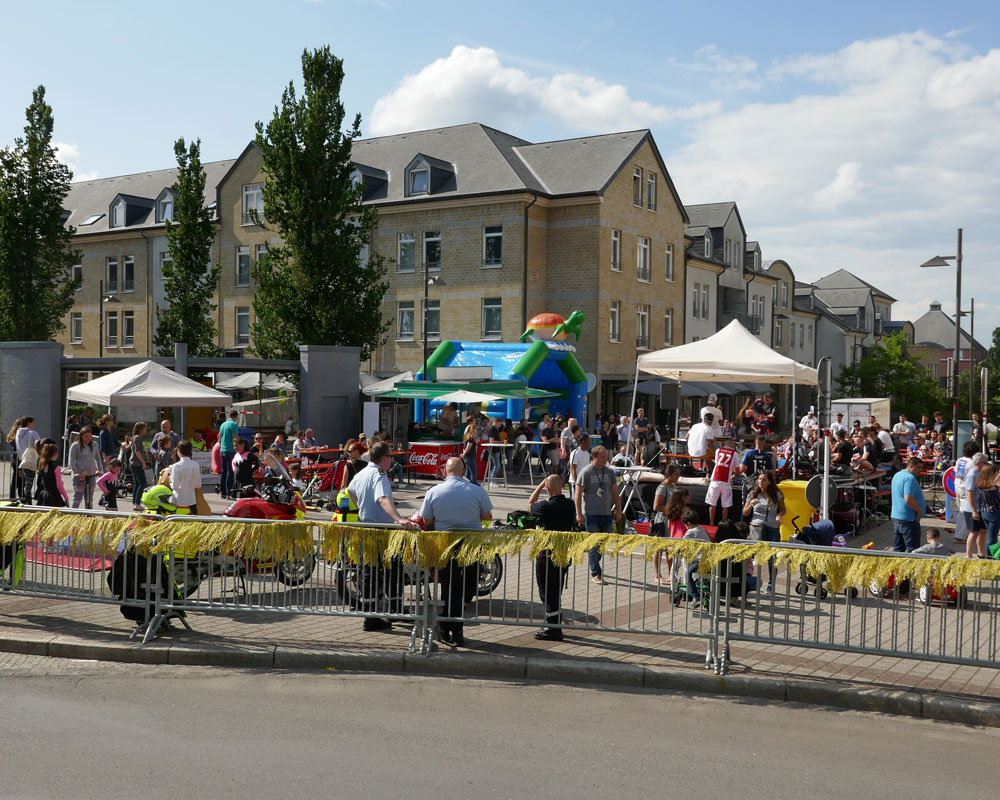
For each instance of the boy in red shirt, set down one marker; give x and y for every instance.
(720, 487)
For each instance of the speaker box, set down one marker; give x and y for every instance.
(670, 395)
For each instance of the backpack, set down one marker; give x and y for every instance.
(522, 520)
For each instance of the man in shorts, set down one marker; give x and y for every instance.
(720, 488)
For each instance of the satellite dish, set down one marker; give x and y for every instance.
(814, 492)
(591, 382)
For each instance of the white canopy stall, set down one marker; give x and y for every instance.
(146, 384)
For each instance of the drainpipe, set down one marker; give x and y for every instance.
(524, 270)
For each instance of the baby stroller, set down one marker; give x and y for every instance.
(821, 533)
(323, 485)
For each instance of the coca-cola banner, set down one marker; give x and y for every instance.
(427, 458)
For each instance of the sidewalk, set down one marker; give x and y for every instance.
(43, 626)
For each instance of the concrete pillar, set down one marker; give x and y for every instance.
(181, 368)
(330, 391)
(31, 384)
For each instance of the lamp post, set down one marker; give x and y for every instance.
(942, 261)
(103, 298)
(437, 280)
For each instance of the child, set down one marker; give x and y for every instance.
(934, 547)
(295, 473)
(28, 465)
(693, 531)
(108, 484)
(49, 489)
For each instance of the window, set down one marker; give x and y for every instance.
(777, 333)
(253, 200)
(728, 247)
(696, 301)
(111, 285)
(642, 258)
(128, 329)
(668, 271)
(492, 245)
(616, 333)
(616, 251)
(404, 320)
(709, 246)
(76, 327)
(259, 252)
(802, 335)
(668, 327)
(784, 293)
(651, 191)
(809, 331)
(77, 276)
(243, 265)
(242, 326)
(128, 274)
(111, 329)
(637, 187)
(406, 252)
(432, 250)
(704, 301)
(418, 181)
(118, 214)
(165, 263)
(90, 220)
(642, 327)
(165, 211)
(774, 295)
(492, 318)
(432, 319)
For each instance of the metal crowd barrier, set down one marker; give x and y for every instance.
(927, 622)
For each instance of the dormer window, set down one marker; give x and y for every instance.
(118, 214)
(708, 244)
(165, 206)
(418, 181)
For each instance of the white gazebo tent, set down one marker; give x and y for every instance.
(146, 384)
(731, 355)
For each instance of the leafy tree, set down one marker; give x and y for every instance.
(190, 277)
(992, 362)
(317, 287)
(889, 371)
(36, 259)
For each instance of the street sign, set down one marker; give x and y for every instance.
(948, 481)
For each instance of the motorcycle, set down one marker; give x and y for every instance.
(274, 499)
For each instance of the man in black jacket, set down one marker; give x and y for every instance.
(557, 513)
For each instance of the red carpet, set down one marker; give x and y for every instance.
(67, 559)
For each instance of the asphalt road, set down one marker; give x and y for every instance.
(89, 730)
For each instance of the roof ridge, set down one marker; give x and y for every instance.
(149, 172)
(423, 130)
(592, 136)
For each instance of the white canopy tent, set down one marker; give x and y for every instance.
(228, 381)
(732, 355)
(147, 384)
(373, 386)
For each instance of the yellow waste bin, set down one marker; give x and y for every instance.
(795, 506)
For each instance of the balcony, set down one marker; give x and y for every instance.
(748, 321)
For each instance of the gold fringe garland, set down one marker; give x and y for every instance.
(289, 540)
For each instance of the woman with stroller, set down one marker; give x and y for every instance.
(766, 505)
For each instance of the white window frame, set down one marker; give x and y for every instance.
(128, 328)
(410, 183)
(616, 251)
(404, 309)
(704, 301)
(242, 339)
(406, 239)
(432, 236)
(615, 332)
(433, 305)
(802, 335)
(774, 295)
(117, 215)
(777, 333)
(651, 191)
(128, 274)
(642, 327)
(76, 327)
(696, 301)
(809, 333)
(111, 329)
(241, 251)
(668, 265)
(642, 271)
(668, 327)
(253, 193)
(164, 260)
(165, 208)
(491, 303)
(637, 186)
(111, 285)
(709, 245)
(77, 277)
(784, 293)
(494, 232)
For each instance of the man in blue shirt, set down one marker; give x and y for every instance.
(456, 505)
(908, 507)
(228, 431)
(371, 492)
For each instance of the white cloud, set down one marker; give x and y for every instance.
(472, 84)
(69, 154)
(729, 73)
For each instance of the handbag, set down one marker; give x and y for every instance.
(201, 504)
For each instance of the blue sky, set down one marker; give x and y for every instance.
(858, 135)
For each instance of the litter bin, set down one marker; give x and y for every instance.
(795, 506)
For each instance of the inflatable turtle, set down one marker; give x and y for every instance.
(552, 327)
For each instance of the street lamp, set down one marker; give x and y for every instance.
(942, 261)
(436, 280)
(104, 298)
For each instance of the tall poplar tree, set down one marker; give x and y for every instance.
(316, 287)
(190, 278)
(36, 256)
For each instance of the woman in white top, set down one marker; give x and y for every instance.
(85, 461)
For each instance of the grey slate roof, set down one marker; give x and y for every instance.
(844, 298)
(713, 215)
(94, 197)
(844, 279)
(936, 326)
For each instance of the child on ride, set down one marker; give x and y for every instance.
(108, 484)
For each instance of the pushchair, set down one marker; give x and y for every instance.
(821, 533)
(323, 485)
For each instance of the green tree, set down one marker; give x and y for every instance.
(889, 371)
(190, 279)
(36, 257)
(318, 287)
(992, 363)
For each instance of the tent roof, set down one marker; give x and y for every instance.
(371, 385)
(252, 380)
(147, 384)
(731, 355)
(694, 388)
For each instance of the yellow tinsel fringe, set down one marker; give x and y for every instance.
(289, 540)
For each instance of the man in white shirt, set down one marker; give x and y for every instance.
(716, 412)
(838, 425)
(578, 459)
(699, 437)
(625, 431)
(809, 423)
(905, 429)
(185, 477)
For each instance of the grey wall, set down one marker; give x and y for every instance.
(31, 384)
(328, 400)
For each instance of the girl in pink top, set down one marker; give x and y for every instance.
(108, 484)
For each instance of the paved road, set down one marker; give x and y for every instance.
(83, 729)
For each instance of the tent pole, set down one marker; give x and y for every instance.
(631, 408)
(65, 429)
(794, 426)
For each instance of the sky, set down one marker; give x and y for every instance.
(855, 135)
